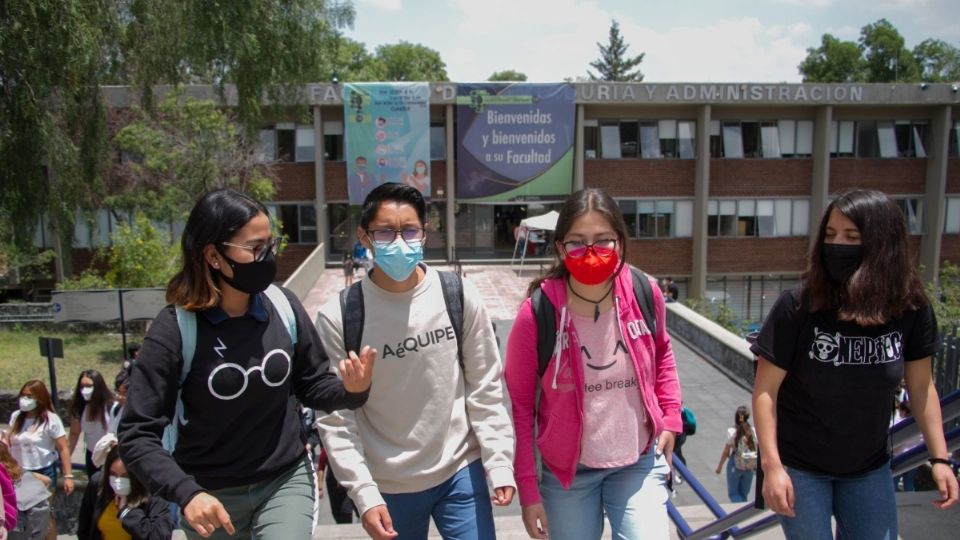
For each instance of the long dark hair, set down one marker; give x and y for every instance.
(44, 404)
(886, 284)
(138, 493)
(215, 218)
(580, 203)
(101, 399)
(741, 420)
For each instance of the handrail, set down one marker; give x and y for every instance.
(908, 427)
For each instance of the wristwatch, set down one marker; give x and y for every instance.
(935, 460)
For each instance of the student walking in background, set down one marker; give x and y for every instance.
(741, 449)
(37, 439)
(90, 413)
(830, 355)
(609, 398)
(239, 464)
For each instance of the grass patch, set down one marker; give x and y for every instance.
(20, 358)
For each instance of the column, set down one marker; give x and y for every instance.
(320, 184)
(451, 181)
(820, 183)
(935, 193)
(701, 193)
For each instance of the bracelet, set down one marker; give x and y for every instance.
(68, 476)
(935, 460)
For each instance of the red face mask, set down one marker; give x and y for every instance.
(594, 267)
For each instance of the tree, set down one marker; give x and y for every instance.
(411, 62)
(614, 64)
(886, 59)
(937, 60)
(186, 148)
(507, 75)
(355, 64)
(835, 61)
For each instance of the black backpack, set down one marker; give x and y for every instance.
(545, 314)
(352, 313)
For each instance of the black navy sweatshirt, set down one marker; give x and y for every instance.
(240, 400)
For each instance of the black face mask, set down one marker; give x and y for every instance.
(252, 277)
(841, 260)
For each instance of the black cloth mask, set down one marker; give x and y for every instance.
(841, 260)
(252, 277)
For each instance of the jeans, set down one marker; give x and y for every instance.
(634, 498)
(738, 482)
(864, 506)
(279, 508)
(460, 508)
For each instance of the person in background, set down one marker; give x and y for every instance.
(607, 408)
(239, 465)
(671, 291)
(90, 413)
(121, 386)
(27, 505)
(419, 179)
(741, 449)
(348, 268)
(116, 506)
(10, 473)
(830, 354)
(37, 439)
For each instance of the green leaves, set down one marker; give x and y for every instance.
(614, 64)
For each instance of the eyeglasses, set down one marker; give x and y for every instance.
(260, 250)
(410, 235)
(577, 249)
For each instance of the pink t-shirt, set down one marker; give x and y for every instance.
(614, 421)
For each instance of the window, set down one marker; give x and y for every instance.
(769, 140)
(438, 142)
(591, 139)
(763, 218)
(954, 150)
(716, 143)
(657, 218)
(796, 138)
(649, 141)
(266, 145)
(892, 139)
(732, 140)
(333, 141)
(286, 142)
(912, 208)
(610, 141)
(628, 139)
(841, 138)
(297, 221)
(686, 135)
(305, 138)
(951, 225)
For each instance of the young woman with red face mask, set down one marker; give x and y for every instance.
(609, 400)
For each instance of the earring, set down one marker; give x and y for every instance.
(216, 265)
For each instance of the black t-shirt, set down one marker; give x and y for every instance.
(833, 407)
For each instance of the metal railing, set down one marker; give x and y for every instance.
(727, 524)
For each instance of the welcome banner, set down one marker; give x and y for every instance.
(387, 136)
(514, 140)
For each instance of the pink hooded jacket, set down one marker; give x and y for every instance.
(560, 416)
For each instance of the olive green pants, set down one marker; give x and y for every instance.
(279, 508)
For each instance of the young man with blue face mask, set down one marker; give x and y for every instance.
(432, 431)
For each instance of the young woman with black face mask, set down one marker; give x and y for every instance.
(239, 464)
(830, 355)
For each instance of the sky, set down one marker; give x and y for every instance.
(684, 40)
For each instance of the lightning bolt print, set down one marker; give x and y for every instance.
(219, 350)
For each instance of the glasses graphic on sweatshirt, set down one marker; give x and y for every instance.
(229, 381)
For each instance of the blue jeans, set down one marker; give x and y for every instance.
(634, 498)
(864, 506)
(738, 482)
(460, 508)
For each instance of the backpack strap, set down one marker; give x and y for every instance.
(545, 315)
(187, 322)
(644, 294)
(282, 304)
(351, 315)
(452, 286)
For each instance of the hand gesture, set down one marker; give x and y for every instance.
(357, 372)
(532, 514)
(947, 486)
(377, 523)
(68, 485)
(778, 491)
(502, 496)
(205, 514)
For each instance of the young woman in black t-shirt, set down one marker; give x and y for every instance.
(830, 355)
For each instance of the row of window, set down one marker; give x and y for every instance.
(758, 139)
(288, 142)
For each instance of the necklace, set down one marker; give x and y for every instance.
(596, 303)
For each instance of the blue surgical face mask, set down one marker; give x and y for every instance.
(398, 259)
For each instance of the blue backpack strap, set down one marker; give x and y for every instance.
(282, 304)
(545, 314)
(187, 322)
(351, 315)
(452, 286)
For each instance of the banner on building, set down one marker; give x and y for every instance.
(387, 136)
(514, 140)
